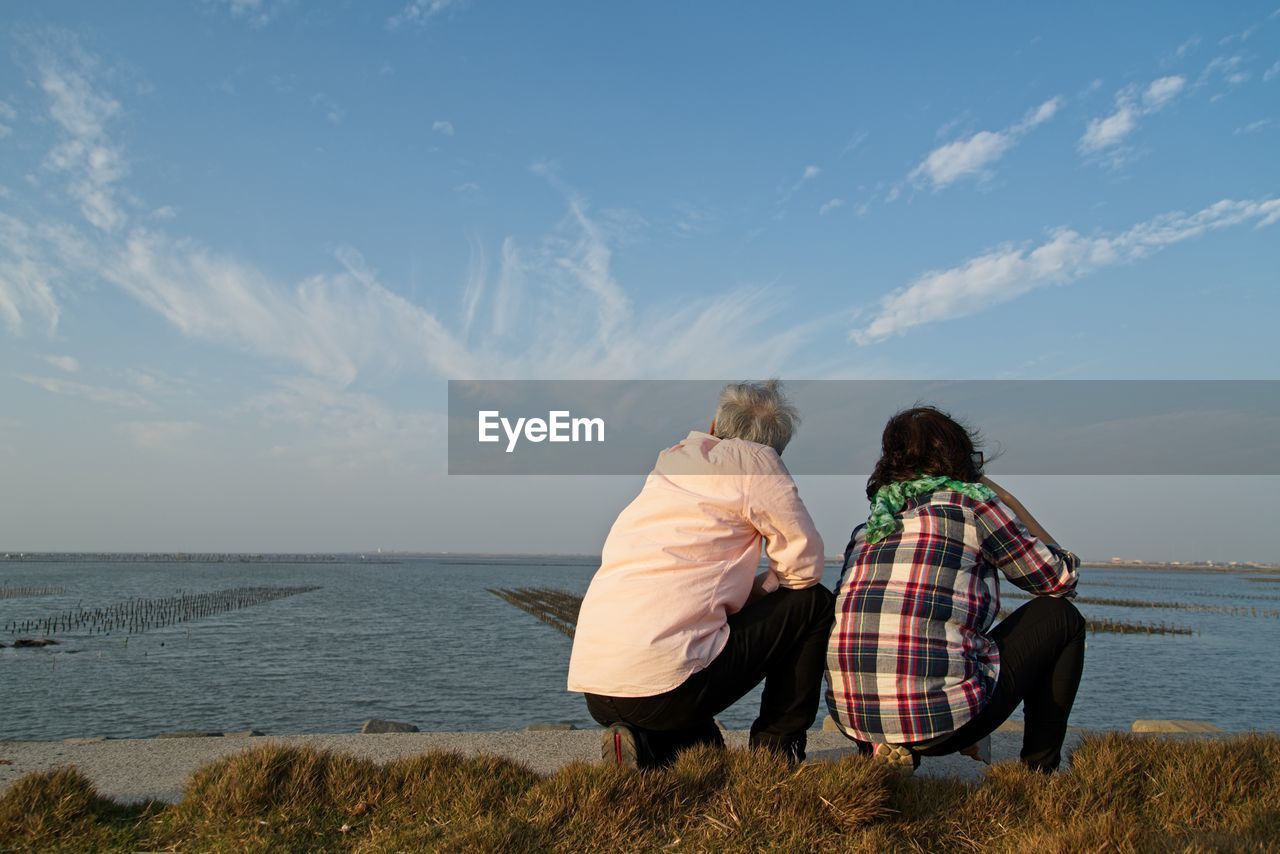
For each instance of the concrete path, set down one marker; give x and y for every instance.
(130, 769)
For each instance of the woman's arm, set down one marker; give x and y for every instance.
(1023, 513)
(1019, 546)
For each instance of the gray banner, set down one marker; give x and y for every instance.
(1042, 427)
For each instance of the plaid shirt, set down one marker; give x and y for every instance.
(910, 659)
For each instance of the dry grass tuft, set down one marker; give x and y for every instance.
(1123, 792)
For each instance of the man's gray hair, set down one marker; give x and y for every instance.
(756, 412)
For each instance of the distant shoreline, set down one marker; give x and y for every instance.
(482, 558)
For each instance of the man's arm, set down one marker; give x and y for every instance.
(792, 542)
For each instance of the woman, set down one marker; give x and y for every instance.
(915, 665)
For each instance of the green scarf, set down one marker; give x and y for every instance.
(891, 498)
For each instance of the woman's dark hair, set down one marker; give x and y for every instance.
(924, 440)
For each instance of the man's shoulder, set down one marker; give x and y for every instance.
(752, 457)
(701, 453)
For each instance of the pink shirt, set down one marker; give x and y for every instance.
(682, 557)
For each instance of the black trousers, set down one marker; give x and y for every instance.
(781, 639)
(1041, 659)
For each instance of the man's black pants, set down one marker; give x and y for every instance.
(780, 638)
(1041, 661)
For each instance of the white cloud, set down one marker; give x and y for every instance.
(1186, 47)
(551, 307)
(7, 114)
(1252, 127)
(332, 429)
(258, 13)
(829, 206)
(159, 435)
(855, 142)
(333, 111)
(1109, 130)
(35, 260)
(64, 363)
(1227, 67)
(1160, 92)
(419, 13)
(972, 155)
(96, 394)
(1132, 103)
(92, 163)
(1010, 271)
(442, 127)
(1271, 73)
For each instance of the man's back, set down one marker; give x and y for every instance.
(681, 558)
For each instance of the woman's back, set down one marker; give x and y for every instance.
(910, 658)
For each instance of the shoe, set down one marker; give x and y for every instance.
(791, 750)
(618, 747)
(899, 757)
(979, 751)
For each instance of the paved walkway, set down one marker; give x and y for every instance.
(130, 769)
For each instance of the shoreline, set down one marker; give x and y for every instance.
(139, 769)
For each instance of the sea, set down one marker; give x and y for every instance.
(422, 640)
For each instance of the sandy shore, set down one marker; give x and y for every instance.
(132, 769)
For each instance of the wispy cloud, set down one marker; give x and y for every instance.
(97, 394)
(159, 435)
(333, 111)
(7, 114)
(1010, 271)
(1133, 102)
(855, 142)
(85, 154)
(334, 429)
(442, 127)
(35, 260)
(1252, 127)
(553, 306)
(64, 363)
(257, 13)
(829, 206)
(1271, 73)
(419, 13)
(975, 154)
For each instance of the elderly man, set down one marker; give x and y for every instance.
(676, 626)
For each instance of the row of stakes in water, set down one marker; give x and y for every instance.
(139, 615)
(559, 609)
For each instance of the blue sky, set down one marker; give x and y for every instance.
(243, 244)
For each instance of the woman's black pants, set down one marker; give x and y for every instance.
(1041, 660)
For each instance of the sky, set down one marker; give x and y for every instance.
(245, 243)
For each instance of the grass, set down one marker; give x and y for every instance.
(1123, 792)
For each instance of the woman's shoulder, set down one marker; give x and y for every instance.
(942, 498)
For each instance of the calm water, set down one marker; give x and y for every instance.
(422, 641)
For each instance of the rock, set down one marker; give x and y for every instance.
(376, 726)
(33, 642)
(244, 733)
(1173, 726)
(829, 724)
(189, 733)
(1011, 726)
(558, 726)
